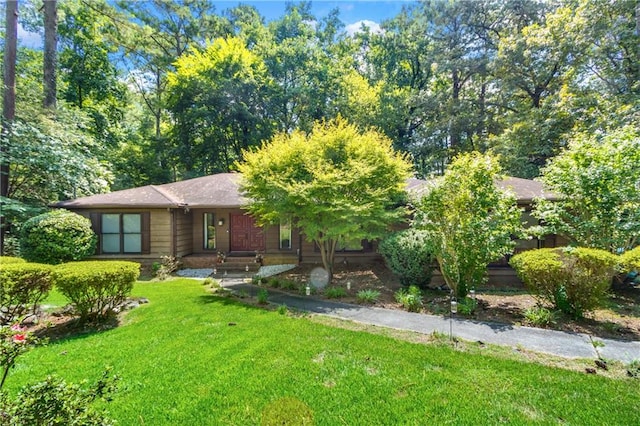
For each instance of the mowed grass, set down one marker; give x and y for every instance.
(182, 361)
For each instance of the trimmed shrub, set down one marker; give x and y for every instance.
(5, 260)
(57, 237)
(630, 260)
(574, 280)
(542, 271)
(96, 288)
(409, 255)
(22, 286)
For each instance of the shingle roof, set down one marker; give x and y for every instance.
(222, 191)
(525, 190)
(219, 190)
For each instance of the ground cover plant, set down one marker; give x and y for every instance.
(190, 357)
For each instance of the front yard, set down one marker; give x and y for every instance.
(191, 358)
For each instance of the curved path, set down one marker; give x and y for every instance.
(565, 344)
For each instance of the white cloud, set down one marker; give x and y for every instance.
(356, 27)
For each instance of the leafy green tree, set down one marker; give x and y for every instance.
(89, 75)
(216, 97)
(470, 220)
(159, 32)
(336, 183)
(598, 181)
(304, 73)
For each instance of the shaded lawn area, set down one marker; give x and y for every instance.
(181, 362)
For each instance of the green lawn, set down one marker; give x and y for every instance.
(181, 363)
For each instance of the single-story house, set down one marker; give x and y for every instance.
(196, 219)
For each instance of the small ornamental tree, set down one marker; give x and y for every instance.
(337, 184)
(56, 237)
(470, 220)
(598, 181)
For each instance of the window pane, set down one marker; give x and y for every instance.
(110, 223)
(111, 243)
(132, 243)
(285, 234)
(131, 223)
(209, 231)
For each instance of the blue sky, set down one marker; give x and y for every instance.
(352, 12)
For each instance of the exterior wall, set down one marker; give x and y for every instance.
(223, 237)
(183, 235)
(222, 231)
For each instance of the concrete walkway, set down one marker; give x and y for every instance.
(569, 345)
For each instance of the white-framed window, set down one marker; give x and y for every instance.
(209, 221)
(285, 234)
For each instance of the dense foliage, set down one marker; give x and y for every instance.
(630, 260)
(22, 287)
(337, 184)
(409, 254)
(574, 280)
(96, 288)
(597, 179)
(470, 220)
(157, 91)
(54, 401)
(56, 237)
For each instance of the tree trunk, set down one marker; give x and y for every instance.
(50, 53)
(327, 252)
(9, 100)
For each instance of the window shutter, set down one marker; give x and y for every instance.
(95, 225)
(146, 232)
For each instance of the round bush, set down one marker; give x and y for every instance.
(96, 288)
(57, 237)
(22, 286)
(542, 271)
(575, 280)
(409, 255)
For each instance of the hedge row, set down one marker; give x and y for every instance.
(95, 288)
(630, 261)
(574, 280)
(22, 286)
(5, 260)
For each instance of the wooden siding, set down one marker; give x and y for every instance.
(183, 232)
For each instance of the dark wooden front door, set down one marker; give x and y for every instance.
(245, 235)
